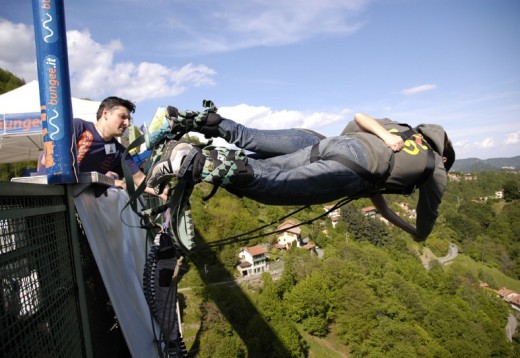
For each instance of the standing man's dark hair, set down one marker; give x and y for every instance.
(112, 102)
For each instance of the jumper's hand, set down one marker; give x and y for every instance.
(418, 239)
(394, 142)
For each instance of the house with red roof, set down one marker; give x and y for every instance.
(511, 297)
(369, 211)
(290, 236)
(334, 215)
(253, 260)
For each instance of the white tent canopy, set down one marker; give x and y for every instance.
(20, 136)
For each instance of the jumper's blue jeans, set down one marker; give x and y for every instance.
(285, 175)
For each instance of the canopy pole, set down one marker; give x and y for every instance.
(55, 95)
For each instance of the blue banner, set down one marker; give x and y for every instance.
(55, 97)
(21, 123)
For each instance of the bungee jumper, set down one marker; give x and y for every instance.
(370, 158)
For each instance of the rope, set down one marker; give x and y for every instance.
(238, 238)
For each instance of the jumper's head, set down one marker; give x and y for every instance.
(439, 141)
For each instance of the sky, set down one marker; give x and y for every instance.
(300, 63)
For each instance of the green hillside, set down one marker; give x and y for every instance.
(471, 165)
(370, 294)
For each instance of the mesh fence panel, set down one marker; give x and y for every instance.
(39, 311)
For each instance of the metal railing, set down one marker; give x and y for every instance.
(52, 300)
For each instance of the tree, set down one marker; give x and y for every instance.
(9, 81)
(511, 190)
(269, 300)
(362, 228)
(309, 298)
(12, 170)
(291, 338)
(465, 226)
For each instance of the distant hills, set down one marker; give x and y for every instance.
(471, 165)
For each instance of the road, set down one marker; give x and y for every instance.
(453, 251)
(428, 257)
(512, 323)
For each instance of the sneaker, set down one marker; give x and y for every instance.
(161, 125)
(175, 161)
(205, 122)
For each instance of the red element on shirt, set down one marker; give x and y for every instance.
(84, 143)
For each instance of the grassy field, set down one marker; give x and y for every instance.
(477, 269)
(500, 280)
(191, 317)
(324, 347)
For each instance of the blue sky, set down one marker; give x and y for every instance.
(299, 63)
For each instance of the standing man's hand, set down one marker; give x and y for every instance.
(118, 183)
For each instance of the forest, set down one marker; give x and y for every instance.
(369, 295)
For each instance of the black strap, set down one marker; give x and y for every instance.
(430, 161)
(133, 193)
(428, 170)
(407, 134)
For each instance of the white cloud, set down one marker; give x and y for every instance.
(266, 118)
(93, 71)
(486, 143)
(513, 138)
(418, 89)
(462, 147)
(18, 50)
(261, 117)
(480, 149)
(234, 24)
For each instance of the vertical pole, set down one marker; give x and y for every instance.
(58, 132)
(55, 96)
